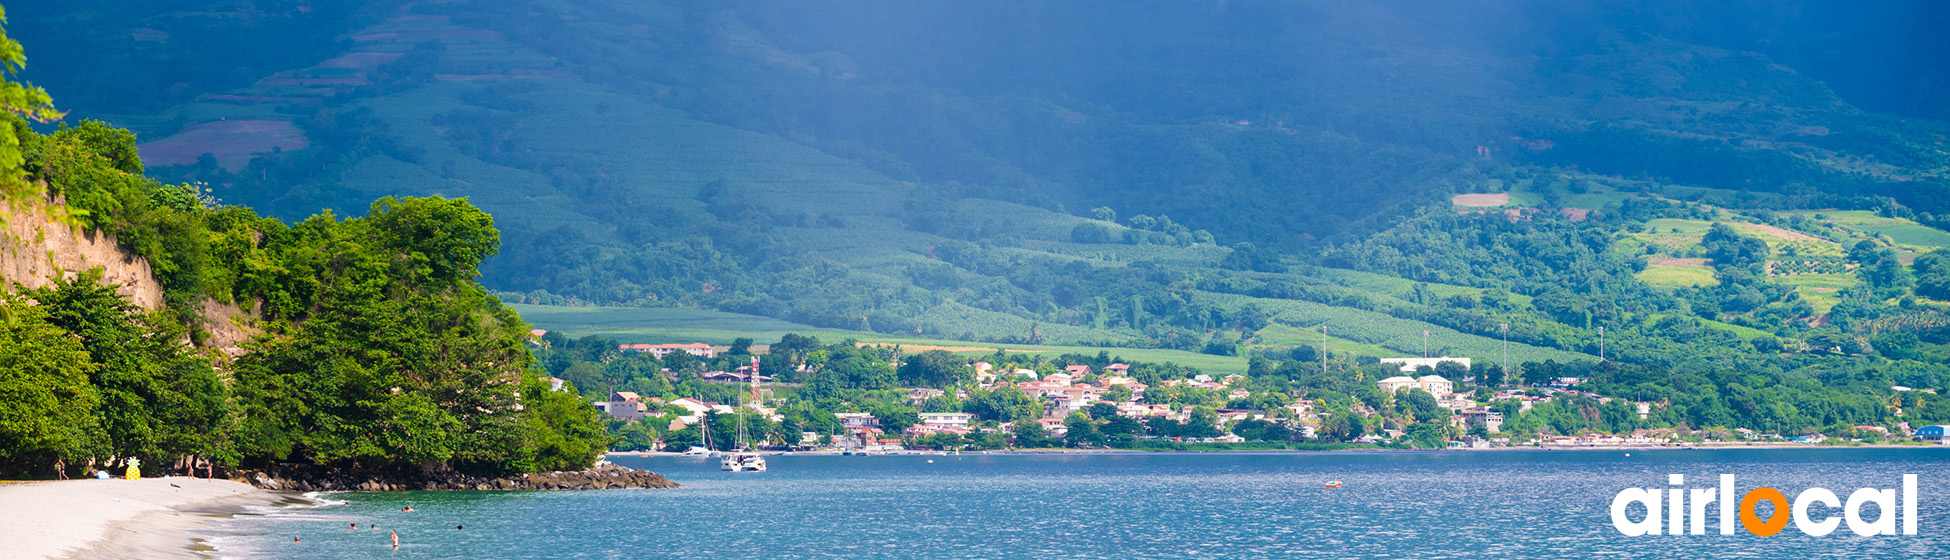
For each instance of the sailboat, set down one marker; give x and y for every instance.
(703, 449)
(743, 459)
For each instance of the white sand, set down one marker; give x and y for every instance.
(146, 518)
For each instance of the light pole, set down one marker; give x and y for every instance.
(1505, 327)
(1323, 348)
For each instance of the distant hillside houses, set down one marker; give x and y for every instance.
(698, 349)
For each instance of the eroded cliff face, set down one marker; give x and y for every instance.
(35, 246)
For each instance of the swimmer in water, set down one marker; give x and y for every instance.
(407, 509)
(459, 528)
(295, 540)
(352, 526)
(395, 540)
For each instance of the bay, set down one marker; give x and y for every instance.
(1428, 505)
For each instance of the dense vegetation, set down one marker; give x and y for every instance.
(1688, 197)
(375, 348)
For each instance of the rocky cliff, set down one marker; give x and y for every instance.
(36, 244)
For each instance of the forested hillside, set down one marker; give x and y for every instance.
(1677, 189)
(374, 348)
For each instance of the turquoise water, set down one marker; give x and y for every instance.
(1517, 504)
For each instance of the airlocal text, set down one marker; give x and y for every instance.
(1679, 511)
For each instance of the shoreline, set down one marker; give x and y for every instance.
(1580, 448)
(146, 518)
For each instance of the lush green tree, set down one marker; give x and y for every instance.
(935, 368)
(1082, 431)
(1030, 435)
(19, 99)
(47, 404)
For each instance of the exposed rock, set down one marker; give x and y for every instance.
(35, 245)
(313, 479)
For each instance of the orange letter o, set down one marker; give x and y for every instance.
(1774, 523)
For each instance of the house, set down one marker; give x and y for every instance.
(1078, 371)
(625, 405)
(695, 409)
(1239, 394)
(1412, 364)
(1396, 383)
(1060, 378)
(555, 383)
(1481, 416)
(1028, 373)
(1054, 426)
(1230, 379)
(1434, 384)
(854, 420)
(1938, 434)
(698, 349)
(1301, 408)
(1137, 389)
(947, 420)
(984, 373)
(1454, 403)
(924, 393)
(1117, 369)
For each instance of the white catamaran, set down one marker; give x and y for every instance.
(744, 459)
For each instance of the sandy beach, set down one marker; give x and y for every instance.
(82, 519)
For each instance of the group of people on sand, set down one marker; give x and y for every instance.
(393, 534)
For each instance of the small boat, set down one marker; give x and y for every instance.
(742, 462)
(697, 451)
(1333, 484)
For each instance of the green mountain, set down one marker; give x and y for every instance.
(1651, 182)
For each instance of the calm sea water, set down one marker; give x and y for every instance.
(1516, 504)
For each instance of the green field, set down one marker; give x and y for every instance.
(1664, 276)
(666, 325)
(1818, 289)
(1395, 334)
(1283, 335)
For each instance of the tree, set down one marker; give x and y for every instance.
(936, 368)
(20, 99)
(1203, 423)
(1117, 394)
(1082, 431)
(1031, 435)
(1101, 410)
(47, 405)
(1004, 404)
(1489, 375)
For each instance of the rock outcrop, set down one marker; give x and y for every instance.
(35, 245)
(314, 479)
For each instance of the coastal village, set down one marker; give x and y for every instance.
(1100, 398)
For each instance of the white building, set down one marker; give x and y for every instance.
(1434, 384)
(949, 420)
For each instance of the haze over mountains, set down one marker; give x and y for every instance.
(1203, 176)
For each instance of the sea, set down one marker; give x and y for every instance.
(1394, 505)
